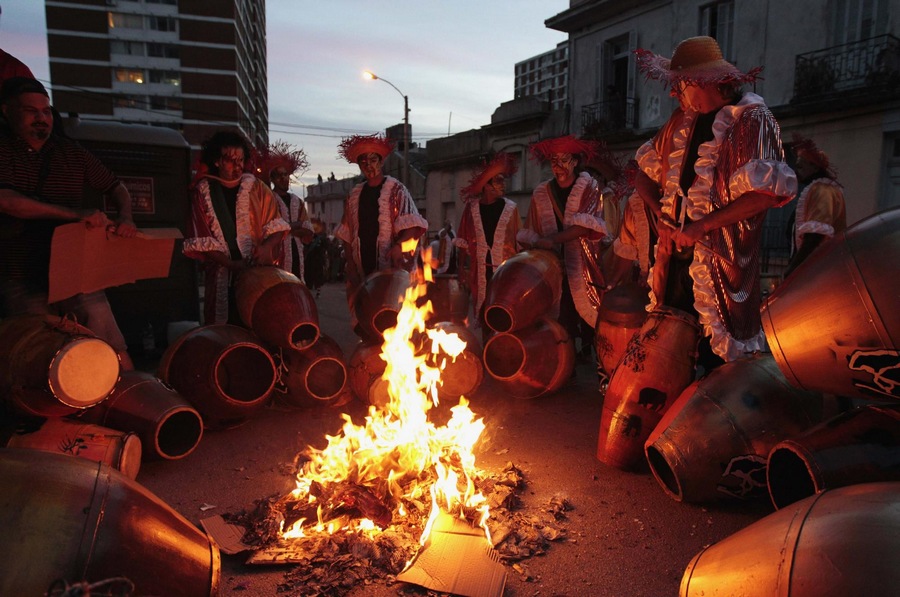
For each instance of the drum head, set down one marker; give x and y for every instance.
(84, 372)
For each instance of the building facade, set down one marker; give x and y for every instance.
(545, 76)
(190, 65)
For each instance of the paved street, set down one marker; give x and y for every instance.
(626, 537)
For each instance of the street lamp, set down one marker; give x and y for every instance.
(370, 75)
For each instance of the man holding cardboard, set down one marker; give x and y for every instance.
(42, 177)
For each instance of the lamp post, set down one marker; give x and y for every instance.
(374, 77)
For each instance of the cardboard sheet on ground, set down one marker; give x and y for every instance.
(226, 535)
(457, 559)
(86, 259)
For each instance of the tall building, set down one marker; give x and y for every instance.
(191, 65)
(545, 76)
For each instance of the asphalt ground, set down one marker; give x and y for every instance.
(625, 535)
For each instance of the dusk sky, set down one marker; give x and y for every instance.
(454, 60)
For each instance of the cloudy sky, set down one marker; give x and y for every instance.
(453, 59)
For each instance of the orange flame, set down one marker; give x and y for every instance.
(398, 446)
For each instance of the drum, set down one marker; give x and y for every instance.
(277, 306)
(449, 299)
(523, 290)
(222, 371)
(364, 371)
(377, 302)
(859, 446)
(622, 313)
(460, 376)
(533, 361)
(169, 427)
(657, 365)
(78, 520)
(833, 324)
(315, 376)
(836, 543)
(51, 367)
(714, 440)
(119, 449)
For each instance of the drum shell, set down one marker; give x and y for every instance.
(523, 289)
(533, 361)
(714, 440)
(52, 367)
(859, 446)
(833, 324)
(836, 543)
(169, 427)
(119, 449)
(364, 370)
(222, 370)
(463, 375)
(657, 366)
(77, 520)
(621, 315)
(277, 306)
(316, 375)
(449, 299)
(377, 302)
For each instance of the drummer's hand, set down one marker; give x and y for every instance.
(124, 227)
(95, 218)
(688, 236)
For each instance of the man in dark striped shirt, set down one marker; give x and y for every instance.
(42, 178)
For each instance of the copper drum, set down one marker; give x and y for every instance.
(377, 302)
(77, 520)
(449, 299)
(657, 365)
(460, 376)
(837, 543)
(714, 440)
(524, 288)
(222, 371)
(859, 446)
(52, 367)
(119, 449)
(365, 369)
(533, 361)
(833, 324)
(169, 427)
(622, 313)
(277, 306)
(316, 375)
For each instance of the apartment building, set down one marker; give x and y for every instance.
(545, 76)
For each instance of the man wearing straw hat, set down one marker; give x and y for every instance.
(821, 212)
(379, 215)
(709, 175)
(565, 216)
(487, 228)
(278, 163)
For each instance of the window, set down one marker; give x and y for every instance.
(130, 101)
(717, 20)
(165, 103)
(129, 75)
(856, 20)
(162, 50)
(169, 77)
(124, 21)
(131, 48)
(162, 23)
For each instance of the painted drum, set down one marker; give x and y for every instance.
(315, 376)
(656, 367)
(621, 315)
(377, 302)
(462, 375)
(277, 306)
(523, 290)
(833, 324)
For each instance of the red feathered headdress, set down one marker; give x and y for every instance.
(806, 148)
(352, 147)
(502, 163)
(280, 154)
(696, 61)
(587, 150)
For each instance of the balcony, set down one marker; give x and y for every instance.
(611, 116)
(869, 68)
